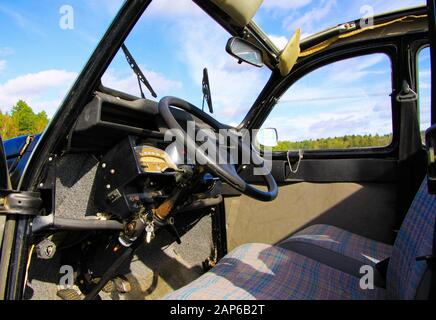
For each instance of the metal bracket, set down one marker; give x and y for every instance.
(20, 203)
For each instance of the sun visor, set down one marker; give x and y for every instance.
(241, 11)
(289, 56)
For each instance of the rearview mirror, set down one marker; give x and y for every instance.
(245, 51)
(267, 137)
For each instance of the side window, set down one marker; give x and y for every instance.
(424, 90)
(343, 105)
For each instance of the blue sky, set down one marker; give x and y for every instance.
(173, 41)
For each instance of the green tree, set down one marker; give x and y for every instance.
(22, 120)
(41, 121)
(7, 126)
(345, 142)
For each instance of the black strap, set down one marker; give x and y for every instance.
(410, 131)
(411, 153)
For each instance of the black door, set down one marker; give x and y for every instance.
(432, 25)
(346, 111)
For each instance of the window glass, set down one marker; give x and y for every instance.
(424, 90)
(343, 105)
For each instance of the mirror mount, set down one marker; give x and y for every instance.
(244, 51)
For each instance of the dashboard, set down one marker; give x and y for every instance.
(141, 178)
(107, 119)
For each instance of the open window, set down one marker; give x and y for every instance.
(424, 89)
(343, 105)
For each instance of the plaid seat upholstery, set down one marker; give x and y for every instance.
(365, 250)
(415, 239)
(258, 271)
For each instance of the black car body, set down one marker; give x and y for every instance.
(86, 123)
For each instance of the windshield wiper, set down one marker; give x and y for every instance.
(141, 77)
(207, 96)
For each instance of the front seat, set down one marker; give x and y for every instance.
(324, 262)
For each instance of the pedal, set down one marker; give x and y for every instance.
(122, 285)
(119, 284)
(109, 287)
(70, 294)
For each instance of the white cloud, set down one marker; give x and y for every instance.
(22, 21)
(279, 41)
(6, 51)
(309, 21)
(43, 91)
(360, 66)
(110, 6)
(284, 5)
(382, 6)
(200, 43)
(234, 86)
(129, 83)
(171, 9)
(317, 106)
(2, 65)
(319, 15)
(366, 116)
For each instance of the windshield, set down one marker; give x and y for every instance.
(172, 43)
(279, 18)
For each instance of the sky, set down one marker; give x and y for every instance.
(174, 40)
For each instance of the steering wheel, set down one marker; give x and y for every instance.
(225, 171)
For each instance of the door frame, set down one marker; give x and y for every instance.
(58, 128)
(431, 4)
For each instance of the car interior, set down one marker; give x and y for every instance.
(135, 219)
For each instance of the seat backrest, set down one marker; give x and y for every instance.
(415, 239)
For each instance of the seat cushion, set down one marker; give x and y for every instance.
(365, 250)
(415, 239)
(259, 271)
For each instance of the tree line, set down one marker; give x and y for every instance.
(344, 142)
(21, 120)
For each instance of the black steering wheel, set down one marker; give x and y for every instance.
(225, 171)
